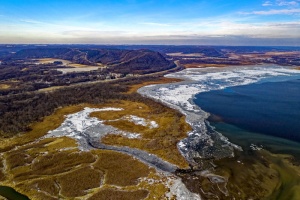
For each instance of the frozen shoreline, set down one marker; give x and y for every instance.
(203, 142)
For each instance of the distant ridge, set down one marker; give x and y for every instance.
(118, 60)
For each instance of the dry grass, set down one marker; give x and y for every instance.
(51, 60)
(18, 159)
(61, 162)
(80, 65)
(40, 129)
(77, 182)
(4, 86)
(33, 192)
(53, 163)
(120, 169)
(158, 187)
(56, 168)
(161, 141)
(111, 194)
(49, 89)
(46, 185)
(65, 63)
(65, 174)
(47, 170)
(2, 175)
(27, 153)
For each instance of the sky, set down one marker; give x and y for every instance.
(177, 22)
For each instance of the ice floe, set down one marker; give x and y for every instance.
(255, 147)
(207, 79)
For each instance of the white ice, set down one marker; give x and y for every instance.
(206, 79)
(141, 121)
(80, 124)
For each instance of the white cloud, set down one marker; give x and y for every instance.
(274, 12)
(287, 3)
(267, 3)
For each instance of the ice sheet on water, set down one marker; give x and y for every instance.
(207, 79)
(180, 96)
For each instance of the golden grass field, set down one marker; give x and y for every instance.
(161, 141)
(51, 60)
(54, 168)
(4, 86)
(65, 63)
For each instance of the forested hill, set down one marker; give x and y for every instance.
(119, 61)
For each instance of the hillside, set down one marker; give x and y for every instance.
(119, 61)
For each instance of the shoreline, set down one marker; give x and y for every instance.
(199, 133)
(180, 96)
(242, 169)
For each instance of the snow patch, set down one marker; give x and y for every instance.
(141, 121)
(178, 189)
(81, 126)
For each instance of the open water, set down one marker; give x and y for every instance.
(265, 114)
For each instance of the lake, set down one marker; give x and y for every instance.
(265, 113)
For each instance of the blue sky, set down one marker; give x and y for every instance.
(213, 22)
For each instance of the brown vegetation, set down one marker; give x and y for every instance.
(39, 129)
(54, 168)
(77, 182)
(58, 173)
(4, 86)
(111, 194)
(121, 169)
(161, 141)
(2, 175)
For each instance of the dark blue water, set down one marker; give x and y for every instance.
(269, 110)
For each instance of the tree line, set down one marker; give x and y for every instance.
(18, 111)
